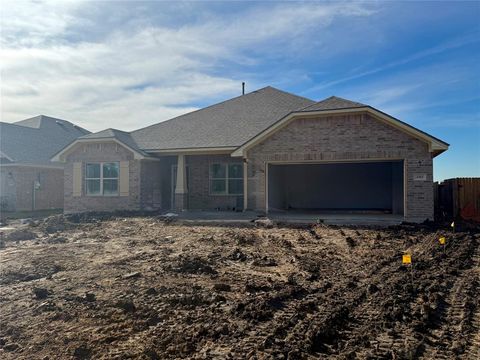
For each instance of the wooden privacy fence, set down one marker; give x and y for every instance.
(458, 198)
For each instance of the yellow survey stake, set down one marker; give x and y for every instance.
(442, 240)
(407, 259)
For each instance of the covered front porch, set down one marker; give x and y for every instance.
(186, 181)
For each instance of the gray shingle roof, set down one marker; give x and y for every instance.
(36, 140)
(226, 124)
(230, 123)
(333, 103)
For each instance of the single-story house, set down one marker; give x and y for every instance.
(28, 179)
(266, 151)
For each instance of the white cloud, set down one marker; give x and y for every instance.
(434, 89)
(435, 50)
(54, 61)
(30, 23)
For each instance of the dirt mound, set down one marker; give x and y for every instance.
(20, 235)
(57, 223)
(192, 265)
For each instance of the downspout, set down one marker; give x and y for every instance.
(33, 195)
(245, 184)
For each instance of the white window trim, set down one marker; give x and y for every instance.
(226, 178)
(101, 179)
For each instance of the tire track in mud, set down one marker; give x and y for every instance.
(311, 321)
(366, 322)
(371, 327)
(366, 318)
(331, 330)
(473, 350)
(454, 322)
(268, 334)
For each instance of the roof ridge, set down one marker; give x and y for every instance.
(340, 98)
(110, 128)
(289, 93)
(113, 130)
(33, 140)
(123, 131)
(194, 111)
(219, 103)
(350, 104)
(14, 124)
(20, 125)
(40, 118)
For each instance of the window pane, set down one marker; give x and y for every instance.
(218, 186)
(235, 187)
(93, 187)
(218, 171)
(235, 171)
(110, 170)
(110, 187)
(93, 171)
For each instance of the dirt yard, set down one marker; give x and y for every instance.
(139, 288)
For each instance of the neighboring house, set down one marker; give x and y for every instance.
(265, 151)
(28, 179)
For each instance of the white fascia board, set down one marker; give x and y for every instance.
(194, 151)
(33, 165)
(2, 154)
(433, 144)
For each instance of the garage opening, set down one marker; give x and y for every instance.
(366, 187)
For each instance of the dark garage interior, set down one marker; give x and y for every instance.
(366, 187)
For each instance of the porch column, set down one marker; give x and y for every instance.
(181, 185)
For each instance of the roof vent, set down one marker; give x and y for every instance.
(243, 87)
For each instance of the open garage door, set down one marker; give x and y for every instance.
(349, 187)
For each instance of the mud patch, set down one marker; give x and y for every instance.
(192, 265)
(132, 287)
(21, 235)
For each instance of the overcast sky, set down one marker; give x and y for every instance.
(131, 64)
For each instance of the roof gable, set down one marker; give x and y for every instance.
(335, 105)
(114, 135)
(122, 136)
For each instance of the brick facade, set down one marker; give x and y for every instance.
(355, 137)
(102, 152)
(150, 182)
(16, 193)
(150, 185)
(345, 137)
(199, 196)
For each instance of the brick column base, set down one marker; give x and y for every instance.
(180, 202)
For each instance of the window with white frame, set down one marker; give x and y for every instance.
(101, 179)
(226, 179)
